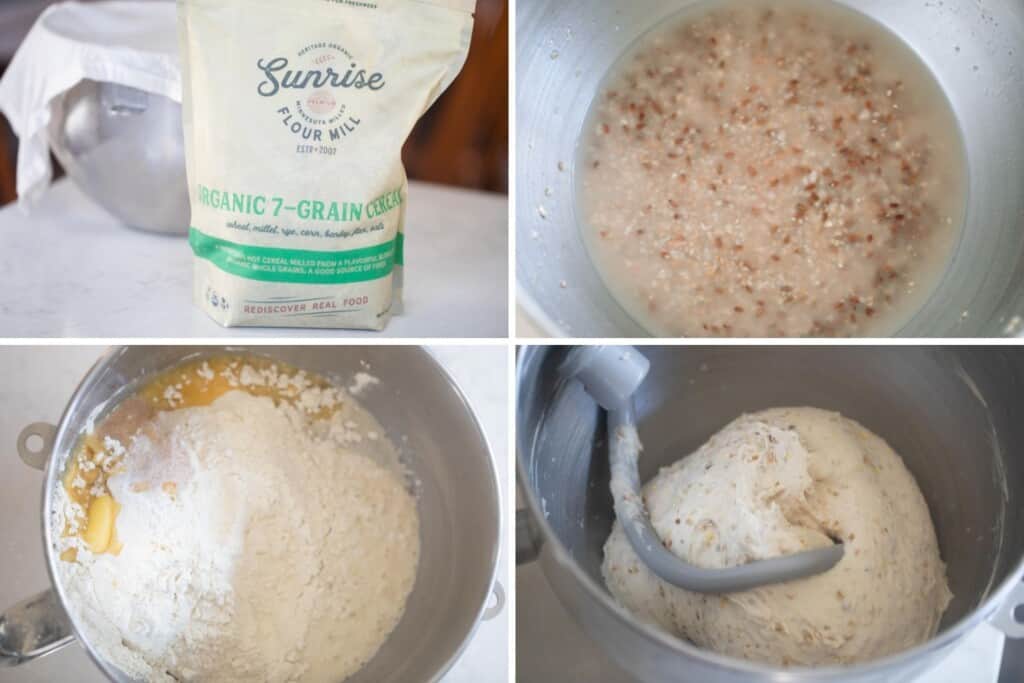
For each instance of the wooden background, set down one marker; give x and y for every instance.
(462, 140)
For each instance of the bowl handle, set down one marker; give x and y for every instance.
(33, 628)
(36, 458)
(1010, 617)
(499, 602)
(39, 625)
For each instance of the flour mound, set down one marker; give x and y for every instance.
(254, 548)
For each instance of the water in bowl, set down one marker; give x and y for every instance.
(771, 168)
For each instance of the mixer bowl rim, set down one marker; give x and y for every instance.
(988, 607)
(108, 358)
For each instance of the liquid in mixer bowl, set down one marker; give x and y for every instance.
(774, 168)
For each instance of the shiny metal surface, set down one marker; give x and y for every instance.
(1012, 665)
(33, 628)
(35, 443)
(125, 149)
(39, 625)
(424, 413)
(950, 412)
(976, 51)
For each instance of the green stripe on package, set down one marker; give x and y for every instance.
(400, 249)
(271, 264)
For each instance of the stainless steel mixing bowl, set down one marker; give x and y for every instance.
(421, 409)
(976, 51)
(952, 413)
(125, 148)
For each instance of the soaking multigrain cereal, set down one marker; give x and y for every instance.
(771, 169)
(295, 115)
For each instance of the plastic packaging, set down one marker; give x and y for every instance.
(295, 117)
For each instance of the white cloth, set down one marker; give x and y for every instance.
(128, 43)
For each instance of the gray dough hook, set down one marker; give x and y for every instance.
(611, 375)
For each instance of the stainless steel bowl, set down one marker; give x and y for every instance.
(125, 148)
(976, 51)
(420, 407)
(952, 413)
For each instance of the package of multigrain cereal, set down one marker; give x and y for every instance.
(295, 117)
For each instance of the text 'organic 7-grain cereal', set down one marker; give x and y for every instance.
(295, 116)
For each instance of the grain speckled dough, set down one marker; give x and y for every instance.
(773, 483)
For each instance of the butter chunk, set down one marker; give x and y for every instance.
(99, 529)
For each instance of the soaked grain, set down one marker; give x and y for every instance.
(771, 169)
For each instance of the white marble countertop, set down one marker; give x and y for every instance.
(70, 270)
(37, 384)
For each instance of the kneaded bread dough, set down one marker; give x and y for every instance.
(770, 484)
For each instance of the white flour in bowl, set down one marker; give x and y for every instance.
(252, 548)
(295, 114)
